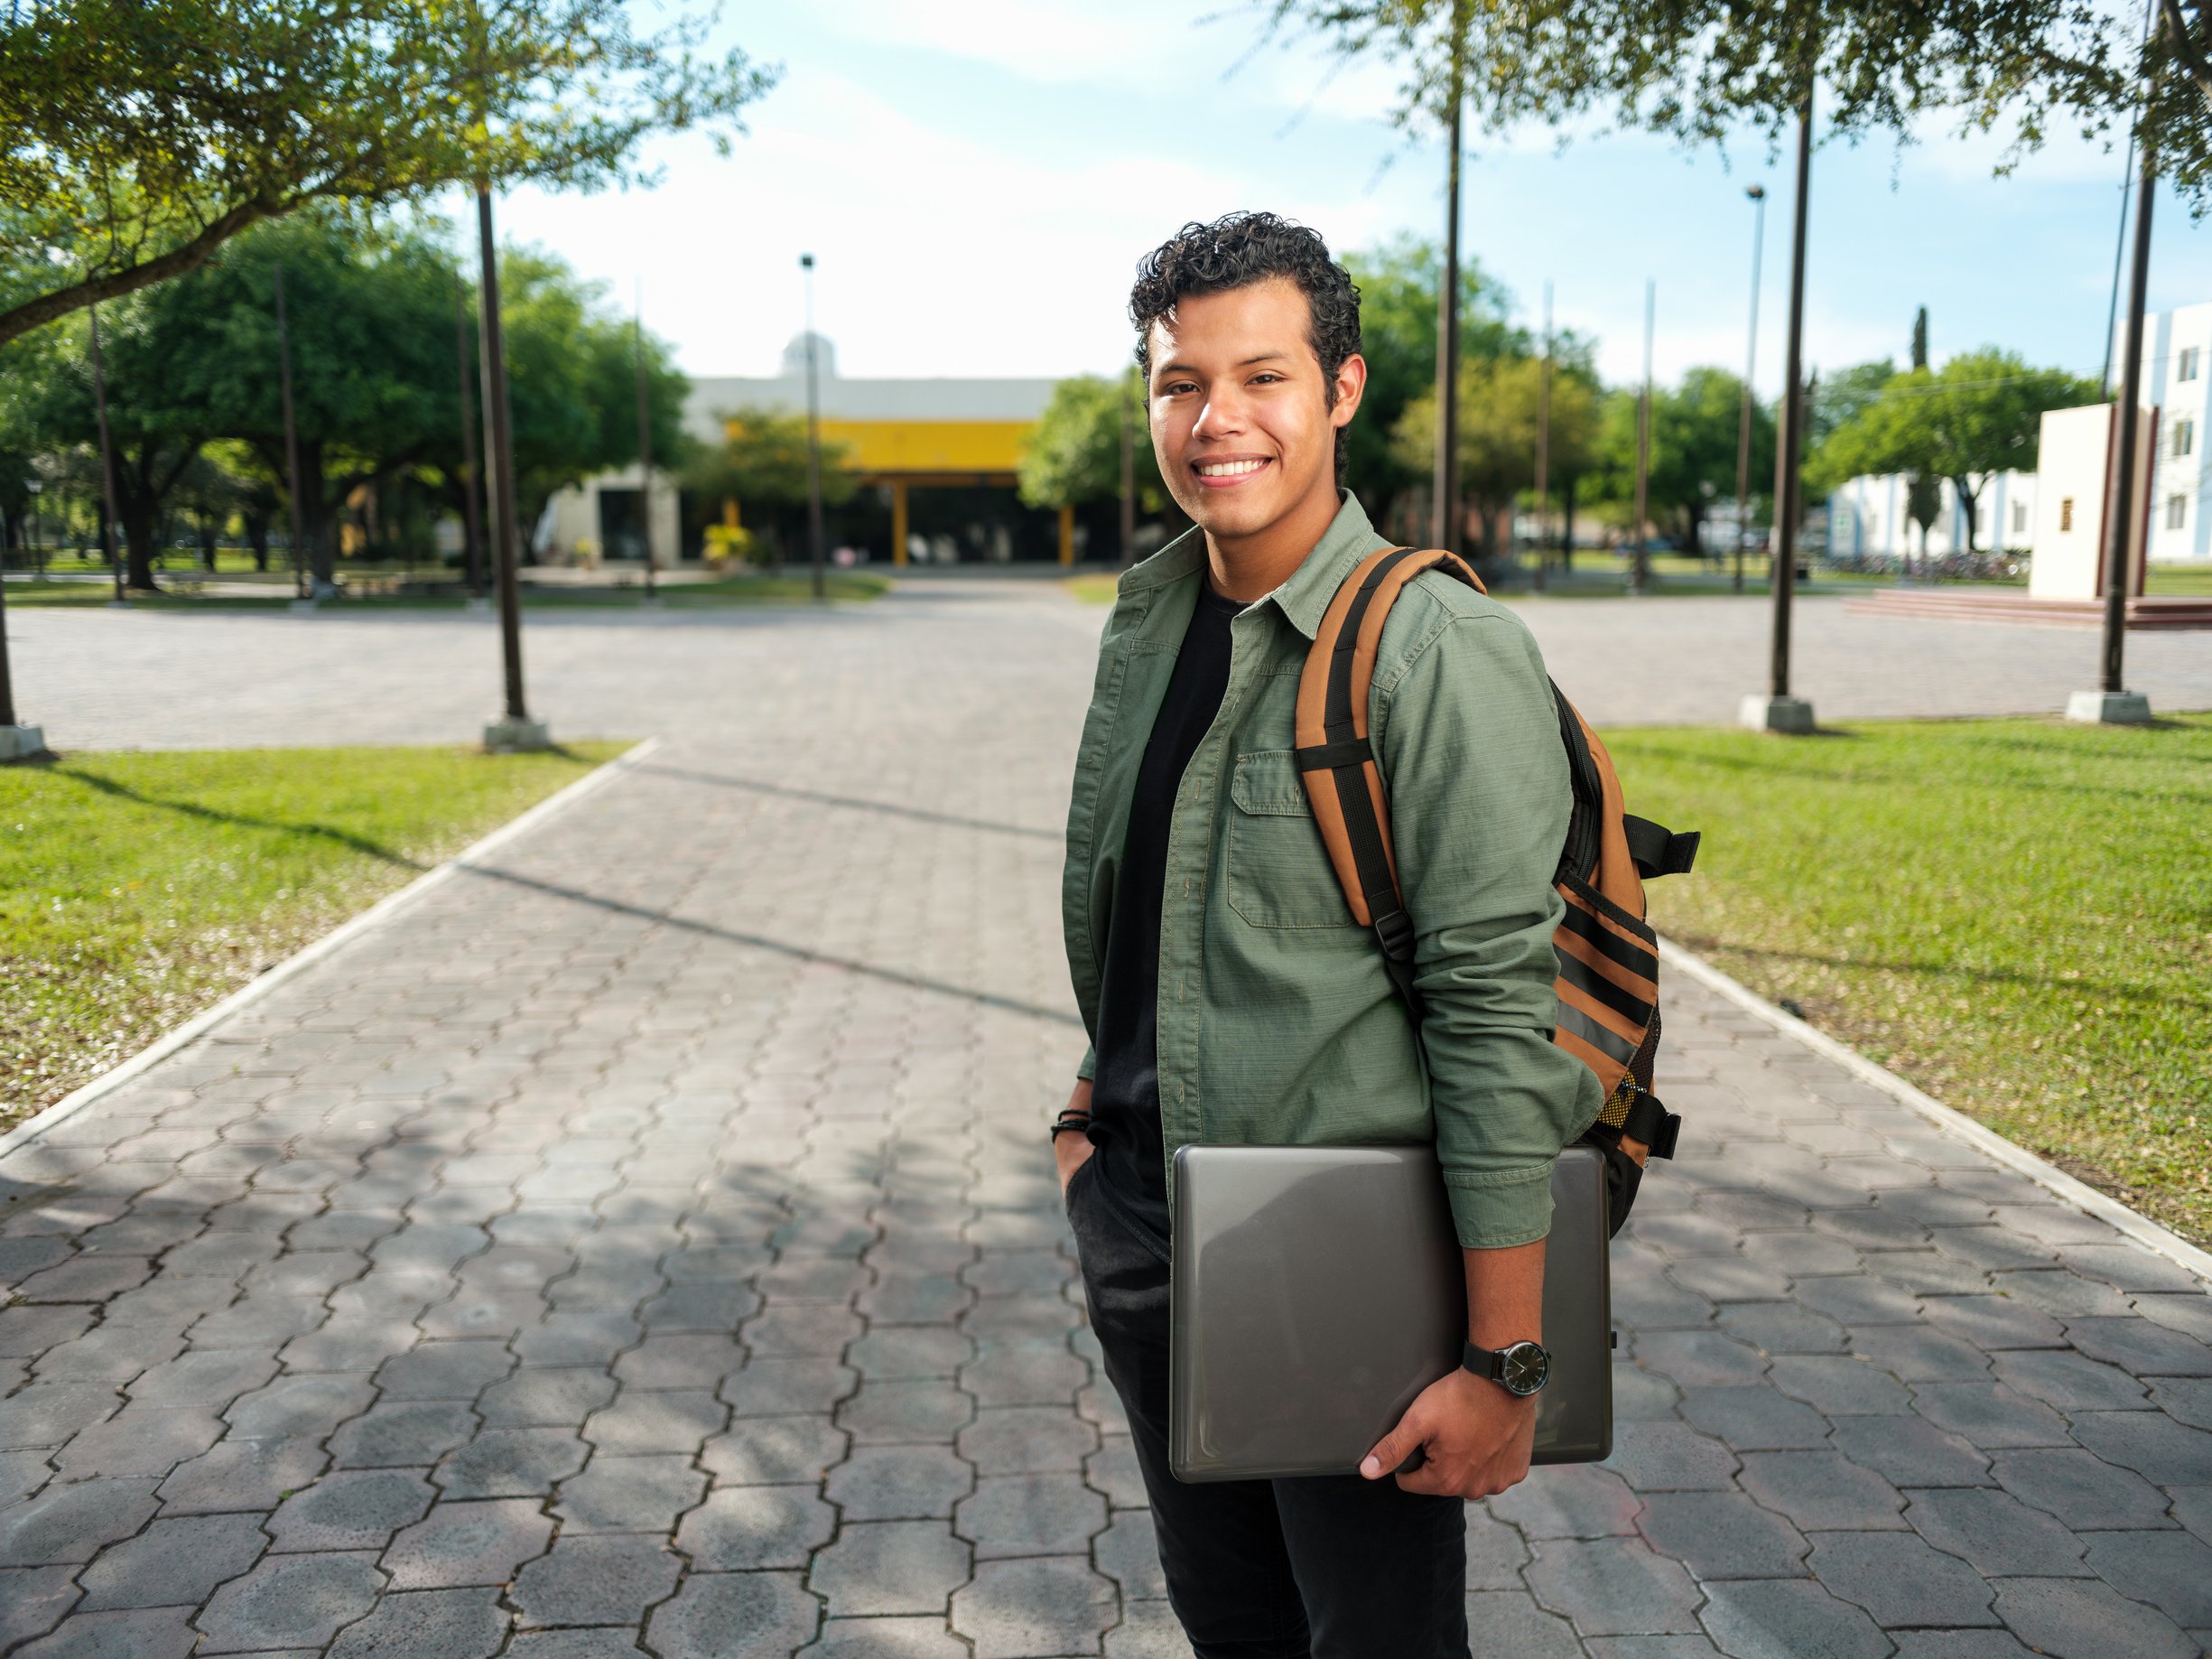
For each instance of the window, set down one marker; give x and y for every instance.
(2019, 516)
(2185, 364)
(2184, 437)
(2176, 512)
(2065, 513)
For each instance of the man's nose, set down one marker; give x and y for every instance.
(1223, 415)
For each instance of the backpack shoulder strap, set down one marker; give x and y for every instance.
(1334, 757)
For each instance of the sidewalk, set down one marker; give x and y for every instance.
(648, 1243)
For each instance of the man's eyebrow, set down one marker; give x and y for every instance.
(1265, 357)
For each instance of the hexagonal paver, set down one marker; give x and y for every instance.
(743, 1528)
(900, 1483)
(33, 1600)
(1570, 1500)
(290, 1601)
(885, 1638)
(596, 1581)
(352, 1509)
(1128, 1553)
(557, 1396)
(1030, 1514)
(468, 1544)
(1790, 1618)
(2085, 1616)
(882, 1567)
(73, 1523)
(628, 1495)
(1996, 1534)
(440, 1624)
(512, 1463)
(775, 1451)
(1722, 1535)
(915, 1409)
(1017, 1608)
(174, 1564)
(1900, 1578)
(1022, 1439)
(405, 1435)
(1612, 1586)
(734, 1615)
(159, 1632)
(444, 1371)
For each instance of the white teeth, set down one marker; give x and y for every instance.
(1228, 469)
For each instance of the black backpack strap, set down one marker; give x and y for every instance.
(1657, 850)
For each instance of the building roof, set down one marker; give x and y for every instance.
(906, 400)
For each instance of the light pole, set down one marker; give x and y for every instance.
(472, 475)
(1640, 571)
(1543, 447)
(38, 542)
(1758, 194)
(111, 528)
(814, 432)
(645, 439)
(302, 594)
(1778, 710)
(2112, 703)
(514, 729)
(1446, 522)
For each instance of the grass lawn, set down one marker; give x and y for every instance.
(137, 888)
(1094, 587)
(2179, 581)
(689, 596)
(2015, 914)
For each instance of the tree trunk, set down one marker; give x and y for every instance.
(1967, 504)
(1567, 527)
(139, 522)
(207, 542)
(1696, 548)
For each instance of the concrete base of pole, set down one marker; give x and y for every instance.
(2109, 708)
(304, 607)
(119, 605)
(22, 742)
(509, 736)
(1788, 715)
(477, 605)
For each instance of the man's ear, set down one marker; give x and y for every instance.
(1351, 384)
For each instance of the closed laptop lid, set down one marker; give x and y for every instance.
(1318, 1290)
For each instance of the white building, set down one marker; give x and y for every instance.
(1867, 518)
(1867, 515)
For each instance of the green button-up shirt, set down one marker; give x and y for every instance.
(1278, 1025)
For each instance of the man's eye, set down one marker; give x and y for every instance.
(1265, 379)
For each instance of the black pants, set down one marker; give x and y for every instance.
(1321, 1568)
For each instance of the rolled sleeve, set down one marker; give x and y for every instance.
(1479, 801)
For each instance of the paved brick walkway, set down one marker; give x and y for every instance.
(647, 1245)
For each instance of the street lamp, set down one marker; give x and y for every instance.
(514, 730)
(645, 439)
(1447, 524)
(1758, 194)
(1778, 710)
(38, 542)
(814, 431)
(1640, 569)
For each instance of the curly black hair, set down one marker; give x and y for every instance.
(1235, 251)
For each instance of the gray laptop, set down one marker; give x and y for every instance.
(1318, 1290)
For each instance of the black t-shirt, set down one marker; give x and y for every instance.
(1125, 1090)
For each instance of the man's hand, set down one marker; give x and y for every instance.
(1476, 1436)
(1069, 1151)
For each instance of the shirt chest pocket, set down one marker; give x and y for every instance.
(1279, 874)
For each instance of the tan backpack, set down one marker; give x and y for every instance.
(1607, 953)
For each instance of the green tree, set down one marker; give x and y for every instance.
(1501, 401)
(1978, 415)
(1923, 491)
(573, 374)
(1696, 427)
(761, 462)
(143, 134)
(1397, 285)
(1073, 454)
(155, 434)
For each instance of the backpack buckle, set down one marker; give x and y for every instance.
(1395, 933)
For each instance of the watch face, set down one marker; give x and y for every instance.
(1523, 1369)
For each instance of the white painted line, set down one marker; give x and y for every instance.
(300, 961)
(2083, 1196)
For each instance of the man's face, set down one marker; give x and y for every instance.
(1239, 408)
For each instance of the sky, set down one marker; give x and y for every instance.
(977, 180)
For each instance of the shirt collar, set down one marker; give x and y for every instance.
(1304, 599)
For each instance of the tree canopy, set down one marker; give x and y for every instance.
(1499, 413)
(762, 460)
(1695, 430)
(1075, 455)
(1977, 416)
(140, 135)
(1702, 70)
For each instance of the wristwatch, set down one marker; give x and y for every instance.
(1521, 1369)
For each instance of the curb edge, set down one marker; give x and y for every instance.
(307, 955)
(2138, 1228)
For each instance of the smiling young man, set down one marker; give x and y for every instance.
(1229, 993)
